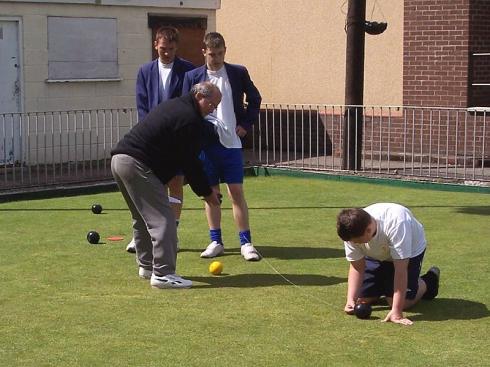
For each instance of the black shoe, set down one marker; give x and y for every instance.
(431, 279)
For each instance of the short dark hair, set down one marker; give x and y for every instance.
(214, 40)
(352, 223)
(170, 34)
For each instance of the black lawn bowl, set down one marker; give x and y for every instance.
(96, 208)
(362, 310)
(93, 237)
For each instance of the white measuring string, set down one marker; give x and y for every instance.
(264, 259)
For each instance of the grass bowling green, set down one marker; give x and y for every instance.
(65, 302)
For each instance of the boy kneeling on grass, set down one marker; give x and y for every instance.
(385, 246)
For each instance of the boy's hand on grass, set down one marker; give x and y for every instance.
(397, 319)
(349, 308)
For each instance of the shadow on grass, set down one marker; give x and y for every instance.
(108, 210)
(475, 209)
(54, 210)
(478, 210)
(184, 209)
(264, 280)
(442, 309)
(228, 251)
(287, 253)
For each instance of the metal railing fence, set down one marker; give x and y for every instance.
(440, 144)
(42, 149)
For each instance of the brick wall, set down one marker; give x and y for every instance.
(435, 52)
(438, 136)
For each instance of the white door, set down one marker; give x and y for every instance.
(9, 91)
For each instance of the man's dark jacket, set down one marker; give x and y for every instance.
(168, 139)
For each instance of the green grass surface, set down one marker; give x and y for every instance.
(65, 302)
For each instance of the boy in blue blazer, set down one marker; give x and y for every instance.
(223, 159)
(162, 78)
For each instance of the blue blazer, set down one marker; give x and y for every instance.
(147, 95)
(241, 85)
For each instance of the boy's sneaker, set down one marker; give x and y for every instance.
(249, 252)
(131, 248)
(214, 249)
(431, 279)
(169, 281)
(145, 273)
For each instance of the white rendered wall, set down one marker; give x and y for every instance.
(134, 48)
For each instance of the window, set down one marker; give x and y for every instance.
(479, 94)
(82, 48)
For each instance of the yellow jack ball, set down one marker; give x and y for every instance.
(216, 267)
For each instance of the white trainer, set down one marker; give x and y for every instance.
(144, 273)
(214, 249)
(249, 252)
(131, 248)
(169, 281)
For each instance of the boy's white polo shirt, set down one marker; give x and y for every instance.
(224, 116)
(398, 235)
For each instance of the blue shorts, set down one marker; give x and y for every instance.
(222, 165)
(380, 275)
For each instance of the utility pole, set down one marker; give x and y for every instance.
(354, 85)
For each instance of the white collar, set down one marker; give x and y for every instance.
(165, 66)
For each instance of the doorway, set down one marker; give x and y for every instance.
(10, 92)
(191, 32)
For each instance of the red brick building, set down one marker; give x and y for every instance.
(446, 53)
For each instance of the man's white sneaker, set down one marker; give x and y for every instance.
(144, 273)
(249, 252)
(214, 249)
(131, 248)
(169, 281)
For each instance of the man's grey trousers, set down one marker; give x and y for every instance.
(154, 228)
